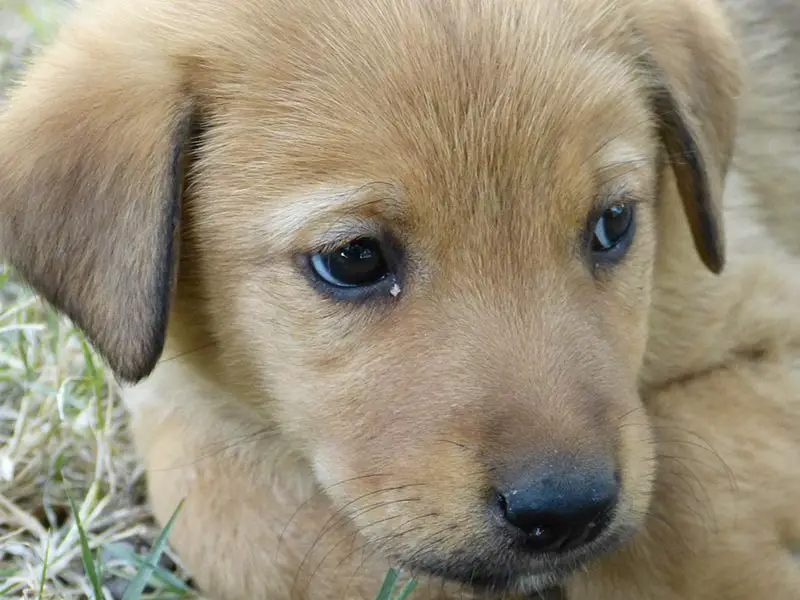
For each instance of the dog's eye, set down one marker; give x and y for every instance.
(359, 263)
(612, 232)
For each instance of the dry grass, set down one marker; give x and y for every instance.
(62, 430)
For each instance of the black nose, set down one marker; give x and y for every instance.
(557, 512)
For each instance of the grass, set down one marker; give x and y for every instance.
(74, 521)
(63, 436)
(73, 517)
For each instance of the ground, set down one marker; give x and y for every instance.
(62, 429)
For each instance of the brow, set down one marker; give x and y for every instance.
(620, 159)
(340, 211)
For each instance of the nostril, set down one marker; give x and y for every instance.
(558, 518)
(541, 532)
(500, 500)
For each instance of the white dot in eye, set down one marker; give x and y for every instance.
(395, 290)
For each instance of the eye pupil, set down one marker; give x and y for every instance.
(356, 252)
(612, 228)
(356, 264)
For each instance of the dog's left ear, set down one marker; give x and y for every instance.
(93, 146)
(693, 61)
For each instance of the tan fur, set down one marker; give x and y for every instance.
(724, 522)
(166, 162)
(723, 519)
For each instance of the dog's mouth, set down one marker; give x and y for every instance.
(496, 570)
(496, 578)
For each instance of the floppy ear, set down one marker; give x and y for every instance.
(694, 62)
(91, 159)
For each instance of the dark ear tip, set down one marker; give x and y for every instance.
(716, 266)
(131, 374)
(714, 260)
(129, 365)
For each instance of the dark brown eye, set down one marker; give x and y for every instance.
(612, 233)
(359, 263)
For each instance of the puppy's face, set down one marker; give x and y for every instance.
(446, 298)
(422, 233)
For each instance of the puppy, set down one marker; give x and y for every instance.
(387, 281)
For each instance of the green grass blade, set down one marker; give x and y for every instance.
(88, 359)
(387, 587)
(174, 583)
(406, 590)
(44, 568)
(5, 592)
(86, 554)
(140, 581)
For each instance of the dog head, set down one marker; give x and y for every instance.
(422, 233)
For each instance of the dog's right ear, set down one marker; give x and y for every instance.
(92, 150)
(693, 61)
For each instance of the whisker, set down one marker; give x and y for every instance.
(218, 448)
(430, 540)
(695, 441)
(659, 519)
(377, 541)
(319, 492)
(334, 518)
(351, 537)
(186, 354)
(698, 506)
(457, 444)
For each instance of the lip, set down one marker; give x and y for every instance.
(540, 580)
(549, 580)
(531, 583)
(484, 578)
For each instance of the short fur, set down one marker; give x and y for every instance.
(723, 519)
(166, 164)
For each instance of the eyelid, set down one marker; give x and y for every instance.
(622, 196)
(333, 246)
(339, 234)
(391, 246)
